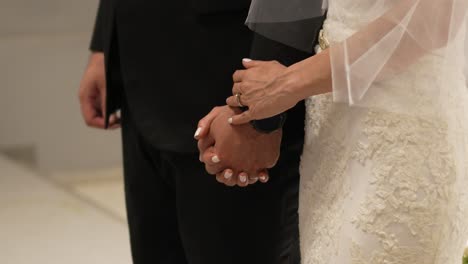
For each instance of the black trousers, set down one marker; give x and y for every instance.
(179, 214)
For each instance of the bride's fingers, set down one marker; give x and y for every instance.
(248, 63)
(227, 177)
(230, 181)
(239, 96)
(263, 176)
(261, 173)
(204, 124)
(238, 76)
(237, 88)
(253, 179)
(245, 86)
(212, 161)
(241, 119)
(243, 179)
(232, 101)
(204, 143)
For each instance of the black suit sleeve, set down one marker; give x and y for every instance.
(97, 40)
(219, 6)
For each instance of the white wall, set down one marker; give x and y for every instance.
(466, 53)
(43, 51)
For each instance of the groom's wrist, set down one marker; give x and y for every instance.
(269, 125)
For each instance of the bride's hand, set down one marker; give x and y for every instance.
(264, 88)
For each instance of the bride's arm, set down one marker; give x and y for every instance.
(389, 44)
(406, 32)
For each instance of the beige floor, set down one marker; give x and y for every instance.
(103, 187)
(42, 221)
(107, 194)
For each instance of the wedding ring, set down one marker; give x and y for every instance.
(238, 98)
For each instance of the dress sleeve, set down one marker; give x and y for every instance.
(368, 64)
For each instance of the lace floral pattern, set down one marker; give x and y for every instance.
(412, 181)
(323, 193)
(410, 204)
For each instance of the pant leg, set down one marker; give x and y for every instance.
(254, 225)
(150, 200)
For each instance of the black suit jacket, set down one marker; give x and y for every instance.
(172, 61)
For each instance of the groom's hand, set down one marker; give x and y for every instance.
(240, 152)
(92, 94)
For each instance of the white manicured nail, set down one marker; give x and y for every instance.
(230, 120)
(246, 60)
(243, 178)
(197, 133)
(263, 178)
(227, 175)
(215, 159)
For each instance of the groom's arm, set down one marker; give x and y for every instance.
(97, 40)
(92, 92)
(217, 6)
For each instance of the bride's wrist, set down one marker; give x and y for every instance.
(291, 84)
(295, 84)
(309, 77)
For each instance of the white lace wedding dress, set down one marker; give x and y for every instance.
(384, 184)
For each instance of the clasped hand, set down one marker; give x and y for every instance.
(238, 154)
